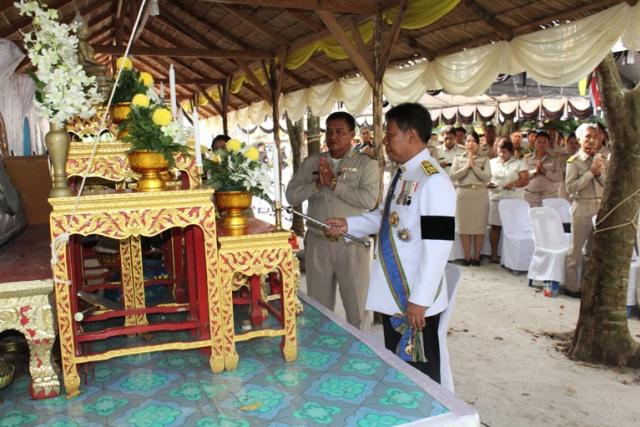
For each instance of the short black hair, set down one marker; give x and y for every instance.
(449, 129)
(543, 133)
(461, 129)
(219, 137)
(412, 116)
(475, 136)
(343, 115)
(506, 144)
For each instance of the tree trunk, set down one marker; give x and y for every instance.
(296, 138)
(602, 335)
(313, 133)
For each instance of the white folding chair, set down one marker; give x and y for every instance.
(550, 248)
(563, 207)
(452, 278)
(517, 240)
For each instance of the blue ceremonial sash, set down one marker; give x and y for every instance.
(410, 348)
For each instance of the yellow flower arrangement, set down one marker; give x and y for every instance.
(237, 168)
(140, 100)
(161, 116)
(234, 145)
(128, 65)
(252, 154)
(146, 79)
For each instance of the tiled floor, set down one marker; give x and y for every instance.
(337, 380)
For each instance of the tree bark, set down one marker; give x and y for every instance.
(602, 335)
(296, 139)
(313, 133)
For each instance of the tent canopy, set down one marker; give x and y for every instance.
(214, 41)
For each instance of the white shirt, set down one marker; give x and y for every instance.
(423, 260)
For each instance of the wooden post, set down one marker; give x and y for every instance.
(378, 129)
(224, 99)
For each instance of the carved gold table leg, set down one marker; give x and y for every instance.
(214, 293)
(26, 307)
(226, 286)
(289, 344)
(132, 279)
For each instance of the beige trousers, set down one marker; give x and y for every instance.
(582, 212)
(535, 199)
(348, 266)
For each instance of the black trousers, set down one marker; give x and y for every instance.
(431, 345)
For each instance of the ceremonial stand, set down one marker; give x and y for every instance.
(259, 252)
(129, 215)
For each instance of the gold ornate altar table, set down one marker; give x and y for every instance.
(26, 307)
(127, 216)
(111, 162)
(258, 252)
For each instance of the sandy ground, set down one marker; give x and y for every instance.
(506, 364)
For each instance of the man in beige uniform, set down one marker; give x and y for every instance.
(338, 183)
(448, 150)
(585, 183)
(545, 172)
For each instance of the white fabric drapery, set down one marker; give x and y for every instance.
(16, 103)
(556, 56)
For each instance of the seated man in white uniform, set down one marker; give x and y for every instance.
(415, 227)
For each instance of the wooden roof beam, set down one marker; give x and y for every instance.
(6, 4)
(362, 7)
(183, 52)
(420, 48)
(273, 35)
(357, 57)
(489, 18)
(305, 20)
(526, 28)
(262, 91)
(197, 82)
(392, 39)
(212, 102)
(26, 20)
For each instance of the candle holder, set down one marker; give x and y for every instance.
(278, 211)
(200, 173)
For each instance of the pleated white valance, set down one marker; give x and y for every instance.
(557, 56)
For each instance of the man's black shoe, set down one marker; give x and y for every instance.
(573, 294)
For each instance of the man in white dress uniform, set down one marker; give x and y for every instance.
(415, 226)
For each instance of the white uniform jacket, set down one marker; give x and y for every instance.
(422, 214)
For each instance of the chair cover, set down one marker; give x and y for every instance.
(550, 245)
(517, 240)
(563, 207)
(452, 278)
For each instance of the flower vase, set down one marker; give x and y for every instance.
(149, 164)
(232, 205)
(57, 141)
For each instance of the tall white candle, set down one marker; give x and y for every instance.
(276, 175)
(162, 91)
(196, 135)
(172, 91)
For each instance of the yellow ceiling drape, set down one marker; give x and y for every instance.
(419, 14)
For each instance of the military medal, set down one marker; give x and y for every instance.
(394, 219)
(404, 234)
(409, 349)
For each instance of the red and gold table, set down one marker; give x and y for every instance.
(126, 216)
(258, 253)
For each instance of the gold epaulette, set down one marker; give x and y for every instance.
(572, 159)
(428, 168)
(527, 155)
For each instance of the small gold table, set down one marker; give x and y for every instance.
(129, 215)
(26, 307)
(257, 253)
